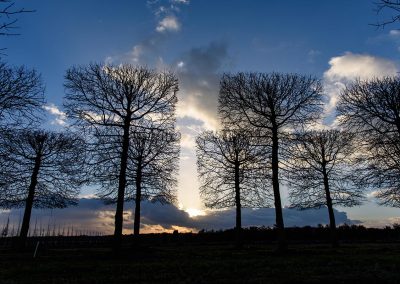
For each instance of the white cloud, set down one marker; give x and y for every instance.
(394, 33)
(149, 49)
(180, 64)
(53, 109)
(180, 1)
(189, 108)
(349, 67)
(188, 141)
(352, 66)
(169, 23)
(60, 115)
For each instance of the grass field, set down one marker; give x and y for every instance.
(205, 263)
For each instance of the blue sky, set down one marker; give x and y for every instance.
(200, 39)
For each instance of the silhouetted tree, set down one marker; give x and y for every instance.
(8, 20)
(7, 13)
(390, 5)
(151, 168)
(320, 172)
(109, 103)
(45, 170)
(21, 95)
(230, 169)
(273, 104)
(372, 109)
(154, 157)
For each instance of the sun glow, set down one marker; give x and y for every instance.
(193, 212)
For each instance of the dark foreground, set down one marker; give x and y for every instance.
(204, 262)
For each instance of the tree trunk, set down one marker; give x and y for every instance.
(136, 224)
(332, 222)
(238, 206)
(29, 201)
(119, 213)
(277, 196)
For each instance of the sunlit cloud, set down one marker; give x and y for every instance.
(92, 215)
(188, 108)
(60, 116)
(382, 222)
(180, 1)
(193, 212)
(188, 141)
(349, 67)
(169, 23)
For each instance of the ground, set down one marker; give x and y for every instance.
(176, 262)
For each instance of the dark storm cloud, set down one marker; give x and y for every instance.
(266, 217)
(90, 215)
(199, 71)
(94, 216)
(165, 215)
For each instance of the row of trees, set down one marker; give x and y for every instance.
(123, 140)
(267, 139)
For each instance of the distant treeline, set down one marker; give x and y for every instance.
(251, 235)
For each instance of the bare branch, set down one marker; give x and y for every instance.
(21, 96)
(372, 110)
(125, 110)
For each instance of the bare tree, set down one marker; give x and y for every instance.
(388, 5)
(151, 168)
(109, 103)
(372, 109)
(8, 20)
(45, 170)
(21, 95)
(231, 172)
(319, 171)
(273, 104)
(7, 13)
(154, 157)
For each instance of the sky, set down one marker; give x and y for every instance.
(335, 41)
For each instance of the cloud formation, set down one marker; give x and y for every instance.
(149, 50)
(92, 215)
(169, 23)
(349, 67)
(199, 71)
(60, 116)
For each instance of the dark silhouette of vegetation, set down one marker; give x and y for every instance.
(154, 157)
(8, 20)
(44, 170)
(270, 103)
(231, 172)
(21, 96)
(371, 109)
(320, 173)
(151, 168)
(108, 103)
(190, 256)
